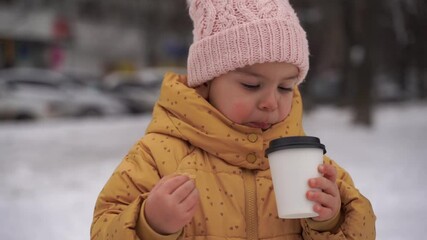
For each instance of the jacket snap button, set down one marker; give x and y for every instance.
(251, 158)
(252, 137)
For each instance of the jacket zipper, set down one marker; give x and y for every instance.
(251, 205)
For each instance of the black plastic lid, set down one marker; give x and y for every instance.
(294, 142)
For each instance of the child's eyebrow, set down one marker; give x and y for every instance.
(247, 72)
(258, 75)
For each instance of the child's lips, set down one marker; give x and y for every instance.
(261, 125)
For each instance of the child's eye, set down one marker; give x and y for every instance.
(250, 86)
(286, 89)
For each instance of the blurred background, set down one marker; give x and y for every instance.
(79, 78)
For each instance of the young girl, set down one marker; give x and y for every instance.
(200, 170)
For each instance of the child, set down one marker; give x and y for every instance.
(200, 170)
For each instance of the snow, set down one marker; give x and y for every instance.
(52, 171)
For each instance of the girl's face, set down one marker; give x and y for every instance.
(257, 96)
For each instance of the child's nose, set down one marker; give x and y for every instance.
(269, 102)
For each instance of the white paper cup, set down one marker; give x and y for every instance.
(293, 161)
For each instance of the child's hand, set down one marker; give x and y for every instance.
(171, 204)
(328, 200)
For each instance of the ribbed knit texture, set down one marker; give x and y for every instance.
(231, 34)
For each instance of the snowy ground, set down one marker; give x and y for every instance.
(51, 172)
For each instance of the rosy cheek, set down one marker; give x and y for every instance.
(285, 110)
(240, 112)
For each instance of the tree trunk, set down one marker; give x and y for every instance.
(361, 40)
(420, 47)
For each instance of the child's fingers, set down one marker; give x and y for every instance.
(181, 192)
(170, 184)
(322, 198)
(327, 201)
(324, 184)
(328, 171)
(162, 180)
(168, 177)
(190, 212)
(324, 212)
(190, 201)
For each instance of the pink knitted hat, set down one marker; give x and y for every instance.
(231, 34)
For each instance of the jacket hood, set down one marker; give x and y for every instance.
(182, 113)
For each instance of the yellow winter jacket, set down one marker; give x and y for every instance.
(237, 200)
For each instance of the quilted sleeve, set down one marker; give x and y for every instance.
(118, 207)
(356, 219)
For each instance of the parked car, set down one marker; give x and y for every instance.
(52, 90)
(26, 100)
(139, 90)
